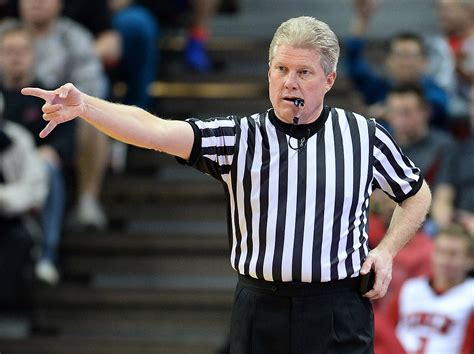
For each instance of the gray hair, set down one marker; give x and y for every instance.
(307, 32)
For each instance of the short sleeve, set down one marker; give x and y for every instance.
(214, 145)
(393, 171)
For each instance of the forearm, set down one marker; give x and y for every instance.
(406, 220)
(136, 126)
(129, 124)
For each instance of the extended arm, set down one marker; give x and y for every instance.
(129, 124)
(407, 218)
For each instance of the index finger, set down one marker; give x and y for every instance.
(37, 92)
(48, 129)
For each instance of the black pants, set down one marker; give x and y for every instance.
(15, 245)
(299, 318)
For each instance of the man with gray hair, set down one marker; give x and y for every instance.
(298, 178)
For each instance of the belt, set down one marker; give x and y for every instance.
(299, 288)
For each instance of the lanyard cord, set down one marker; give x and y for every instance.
(299, 102)
(301, 143)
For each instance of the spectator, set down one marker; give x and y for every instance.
(65, 53)
(139, 33)
(126, 40)
(201, 13)
(16, 65)
(96, 16)
(436, 315)
(453, 198)
(405, 63)
(413, 260)
(429, 148)
(456, 46)
(23, 188)
(195, 52)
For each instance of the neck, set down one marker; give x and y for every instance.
(303, 119)
(461, 32)
(441, 285)
(39, 29)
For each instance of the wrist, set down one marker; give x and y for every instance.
(85, 105)
(387, 249)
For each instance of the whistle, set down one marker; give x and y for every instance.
(299, 102)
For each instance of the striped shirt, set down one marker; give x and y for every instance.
(301, 215)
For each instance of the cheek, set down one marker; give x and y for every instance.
(275, 87)
(273, 94)
(275, 81)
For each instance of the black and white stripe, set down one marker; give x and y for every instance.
(301, 215)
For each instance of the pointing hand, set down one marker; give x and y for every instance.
(61, 105)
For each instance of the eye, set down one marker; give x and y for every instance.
(281, 68)
(304, 72)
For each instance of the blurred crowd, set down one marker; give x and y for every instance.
(422, 90)
(52, 185)
(91, 44)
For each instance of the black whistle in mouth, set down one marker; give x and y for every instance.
(298, 102)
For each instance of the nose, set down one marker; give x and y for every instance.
(291, 82)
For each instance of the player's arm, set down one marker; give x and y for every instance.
(129, 124)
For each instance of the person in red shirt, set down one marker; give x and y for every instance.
(436, 314)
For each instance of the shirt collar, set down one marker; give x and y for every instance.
(301, 130)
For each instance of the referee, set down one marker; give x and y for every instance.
(298, 179)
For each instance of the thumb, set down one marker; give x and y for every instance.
(48, 129)
(366, 266)
(64, 90)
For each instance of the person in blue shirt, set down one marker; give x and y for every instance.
(405, 63)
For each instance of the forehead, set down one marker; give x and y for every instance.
(448, 242)
(286, 54)
(410, 45)
(450, 6)
(42, 3)
(403, 98)
(40, 7)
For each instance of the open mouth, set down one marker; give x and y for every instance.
(291, 99)
(298, 102)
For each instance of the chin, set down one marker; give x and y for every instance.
(284, 114)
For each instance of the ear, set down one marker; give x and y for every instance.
(330, 80)
(269, 68)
